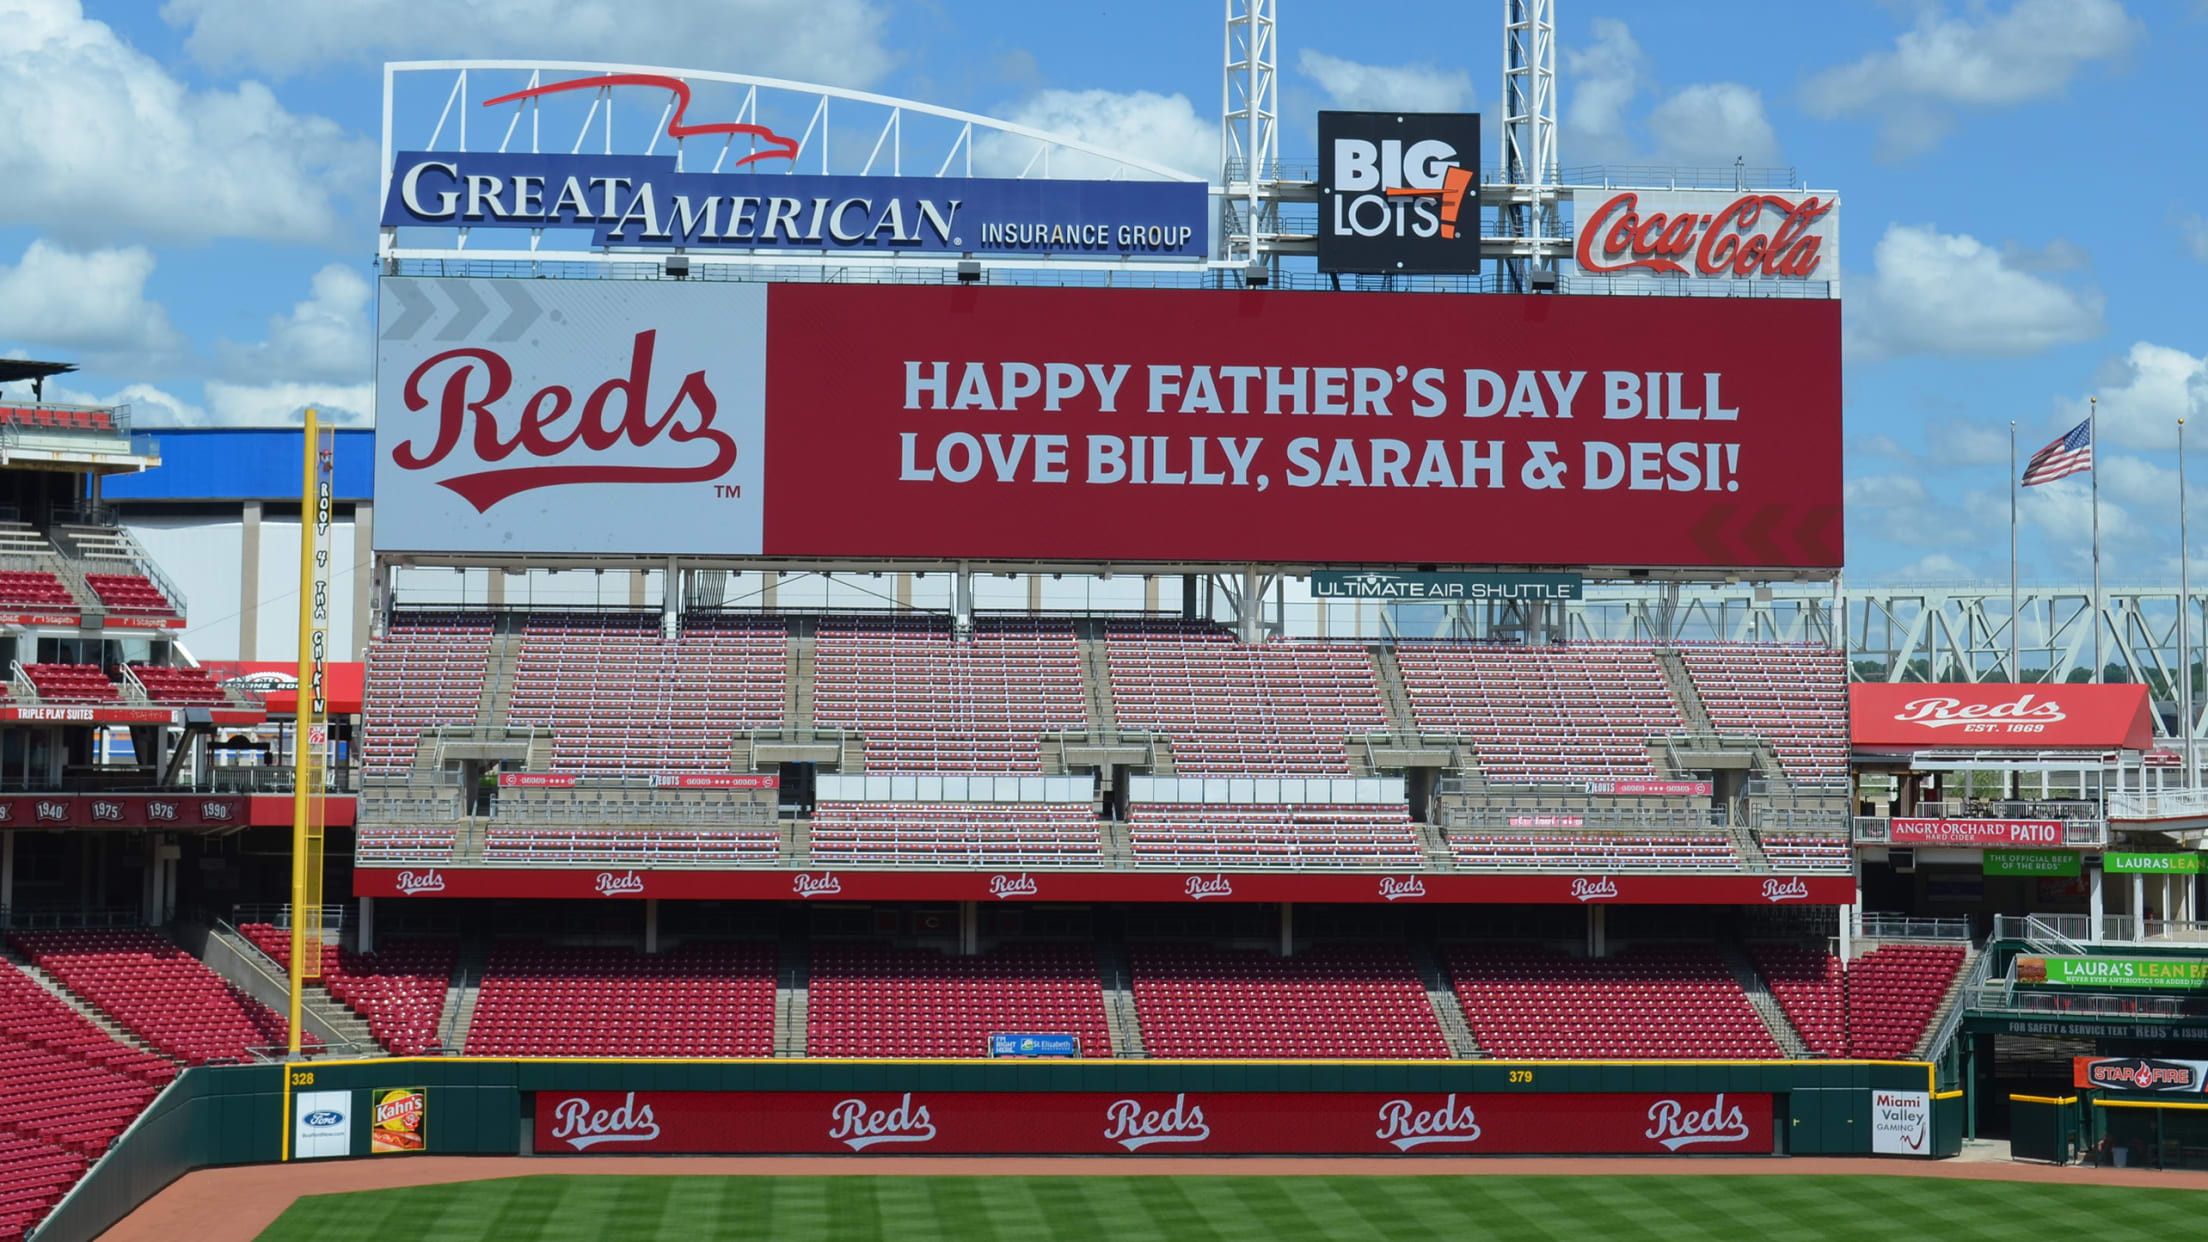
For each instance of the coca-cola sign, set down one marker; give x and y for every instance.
(1143, 1123)
(1710, 234)
(597, 416)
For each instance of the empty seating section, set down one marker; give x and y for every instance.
(34, 588)
(1893, 991)
(1889, 995)
(1806, 851)
(1543, 714)
(1281, 835)
(71, 683)
(701, 998)
(130, 594)
(928, 701)
(66, 1091)
(425, 672)
(630, 846)
(1594, 851)
(1230, 708)
(182, 687)
(1795, 696)
(157, 990)
(1648, 1001)
(1806, 983)
(57, 418)
(1326, 1001)
(375, 846)
(399, 988)
(621, 699)
(976, 834)
(873, 1000)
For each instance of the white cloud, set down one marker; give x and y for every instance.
(1941, 293)
(97, 139)
(1977, 444)
(1160, 129)
(2194, 229)
(837, 41)
(324, 338)
(1714, 123)
(1708, 123)
(1934, 567)
(2141, 399)
(283, 404)
(1975, 59)
(1412, 88)
(149, 406)
(95, 301)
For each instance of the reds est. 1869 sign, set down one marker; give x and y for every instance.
(1128, 425)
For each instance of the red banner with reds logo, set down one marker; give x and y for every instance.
(1091, 886)
(1176, 1123)
(1992, 715)
(833, 420)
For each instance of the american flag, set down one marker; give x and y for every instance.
(2072, 454)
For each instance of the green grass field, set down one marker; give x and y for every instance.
(1230, 1208)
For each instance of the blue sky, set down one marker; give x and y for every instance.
(2025, 212)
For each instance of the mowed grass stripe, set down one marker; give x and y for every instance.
(1470, 1207)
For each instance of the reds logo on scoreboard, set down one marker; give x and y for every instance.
(1399, 192)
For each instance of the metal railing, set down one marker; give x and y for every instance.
(2164, 804)
(2104, 1006)
(279, 915)
(1973, 984)
(2065, 810)
(1497, 816)
(64, 919)
(2073, 933)
(1907, 927)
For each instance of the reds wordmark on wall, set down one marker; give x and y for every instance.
(698, 418)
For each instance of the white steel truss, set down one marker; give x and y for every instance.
(427, 106)
(1249, 134)
(1527, 200)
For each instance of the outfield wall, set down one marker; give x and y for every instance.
(220, 1115)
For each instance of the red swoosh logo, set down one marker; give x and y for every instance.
(779, 148)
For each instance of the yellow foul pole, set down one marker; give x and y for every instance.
(309, 733)
(299, 759)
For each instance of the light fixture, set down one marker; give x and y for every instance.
(969, 271)
(678, 266)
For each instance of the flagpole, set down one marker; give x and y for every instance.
(2093, 441)
(2184, 614)
(2016, 670)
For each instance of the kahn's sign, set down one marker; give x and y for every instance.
(652, 202)
(1399, 192)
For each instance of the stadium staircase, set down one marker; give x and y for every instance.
(797, 682)
(1783, 1032)
(1691, 707)
(1949, 1000)
(792, 994)
(1096, 679)
(83, 1008)
(1124, 1025)
(1442, 995)
(231, 954)
(498, 673)
(461, 994)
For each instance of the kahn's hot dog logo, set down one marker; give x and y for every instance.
(401, 1120)
(582, 440)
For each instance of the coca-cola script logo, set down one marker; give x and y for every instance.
(859, 1127)
(1404, 1125)
(476, 380)
(1939, 713)
(411, 882)
(1793, 888)
(611, 885)
(1003, 886)
(1594, 890)
(1675, 1125)
(1392, 889)
(580, 1126)
(815, 885)
(1129, 1124)
(1217, 886)
(1727, 244)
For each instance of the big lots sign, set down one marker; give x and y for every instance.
(1999, 715)
(1117, 1124)
(600, 417)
